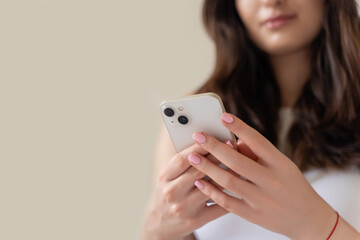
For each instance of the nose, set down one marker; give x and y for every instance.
(273, 2)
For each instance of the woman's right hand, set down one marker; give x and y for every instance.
(177, 207)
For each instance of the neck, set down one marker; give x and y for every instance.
(291, 73)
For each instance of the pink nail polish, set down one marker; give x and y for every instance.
(227, 118)
(199, 185)
(199, 138)
(194, 159)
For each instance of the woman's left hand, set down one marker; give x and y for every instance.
(274, 193)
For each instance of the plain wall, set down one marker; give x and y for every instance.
(80, 86)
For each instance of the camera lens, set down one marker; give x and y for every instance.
(183, 120)
(169, 112)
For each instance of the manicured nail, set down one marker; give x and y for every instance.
(194, 159)
(229, 143)
(199, 138)
(199, 185)
(227, 118)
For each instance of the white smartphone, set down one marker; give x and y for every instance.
(196, 113)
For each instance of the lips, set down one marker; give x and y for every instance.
(278, 20)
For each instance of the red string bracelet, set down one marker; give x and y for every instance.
(337, 220)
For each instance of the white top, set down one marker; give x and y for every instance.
(340, 188)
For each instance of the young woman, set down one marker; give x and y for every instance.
(289, 72)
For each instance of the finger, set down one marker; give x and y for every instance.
(207, 214)
(196, 196)
(210, 157)
(214, 159)
(217, 162)
(214, 183)
(245, 150)
(231, 204)
(188, 177)
(178, 164)
(236, 161)
(257, 143)
(232, 145)
(222, 177)
(222, 189)
(185, 182)
(192, 203)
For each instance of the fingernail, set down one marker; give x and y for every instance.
(199, 185)
(194, 159)
(199, 138)
(227, 118)
(229, 143)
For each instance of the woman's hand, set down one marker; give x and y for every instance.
(274, 193)
(177, 207)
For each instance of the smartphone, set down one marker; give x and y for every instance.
(196, 113)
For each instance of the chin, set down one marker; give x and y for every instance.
(282, 44)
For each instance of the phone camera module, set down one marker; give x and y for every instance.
(169, 112)
(183, 120)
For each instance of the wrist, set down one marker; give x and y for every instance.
(149, 233)
(345, 231)
(333, 230)
(317, 224)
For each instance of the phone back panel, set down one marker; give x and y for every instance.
(203, 112)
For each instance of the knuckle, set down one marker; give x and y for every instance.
(180, 160)
(224, 201)
(228, 181)
(169, 194)
(276, 184)
(197, 175)
(238, 126)
(178, 210)
(210, 143)
(162, 176)
(192, 223)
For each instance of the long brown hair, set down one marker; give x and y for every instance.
(326, 128)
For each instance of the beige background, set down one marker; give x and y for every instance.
(80, 85)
